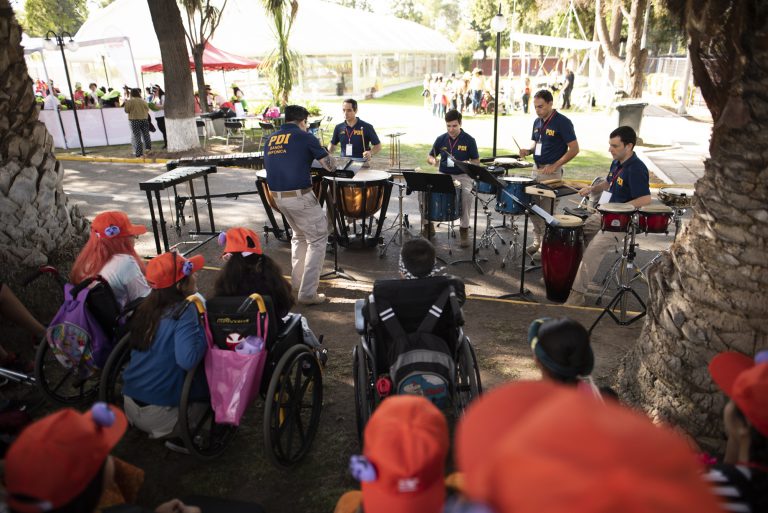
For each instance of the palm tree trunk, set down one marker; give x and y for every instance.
(179, 100)
(36, 220)
(709, 293)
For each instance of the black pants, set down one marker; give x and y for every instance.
(161, 125)
(567, 98)
(526, 98)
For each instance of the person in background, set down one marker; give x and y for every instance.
(239, 96)
(78, 96)
(157, 104)
(568, 88)
(138, 114)
(94, 95)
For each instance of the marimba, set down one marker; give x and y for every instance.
(251, 160)
(173, 178)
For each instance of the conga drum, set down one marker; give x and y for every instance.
(616, 216)
(676, 197)
(445, 206)
(561, 253)
(514, 185)
(655, 218)
(359, 198)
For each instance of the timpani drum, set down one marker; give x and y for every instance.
(616, 216)
(561, 253)
(487, 188)
(676, 197)
(655, 218)
(445, 206)
(360, 198)
(514, 185)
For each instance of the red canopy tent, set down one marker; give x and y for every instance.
(213, 60)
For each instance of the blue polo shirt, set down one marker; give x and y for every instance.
(362, 132)
(555, 134)
(628, 180)
(288, 156)
(462, 148)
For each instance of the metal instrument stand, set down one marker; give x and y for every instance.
(337, 272)
(394, 149)
(401, 222)
(627, 265)
(487, 238)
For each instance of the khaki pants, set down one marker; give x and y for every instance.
(160, 421)
(598, 244)
(547, 204)
(310, 234)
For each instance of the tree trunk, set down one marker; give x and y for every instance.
(708, 294)
(635, 61)
(197, 55)
(35, 218)
(179, 100)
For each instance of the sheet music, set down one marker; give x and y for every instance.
(545, 215)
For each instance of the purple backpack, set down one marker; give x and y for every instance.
(81, 335)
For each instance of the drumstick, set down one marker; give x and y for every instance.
(519, 149)
(589, 209)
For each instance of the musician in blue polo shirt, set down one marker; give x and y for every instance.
(455, 145)
(357, 138)
(554, 145)
(288, 156)
(627, 182)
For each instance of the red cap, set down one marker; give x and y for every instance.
(407, 442)
(240, 240)
(168, 269)
(745, 381)
(115, 224)
(568, 452)
(55, 458)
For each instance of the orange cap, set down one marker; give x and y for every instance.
(240, 240)
(55, 458)
(745, 381)
(115, 224)
(570, 453)
(168, 269)
(407, 442)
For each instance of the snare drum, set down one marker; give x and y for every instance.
(514, 185)
(487, 188)
(616, 216)
(676, 197)
(362, 195)
(445, 206)
(561, 253)
(655, 218)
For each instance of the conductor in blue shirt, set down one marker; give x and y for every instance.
(627, 182)
(288, 156)
(357, 138)
(554, 145)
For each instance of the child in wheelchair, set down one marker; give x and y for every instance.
(166, 343)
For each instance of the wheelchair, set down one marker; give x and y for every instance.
(410, 302)
(291, 387)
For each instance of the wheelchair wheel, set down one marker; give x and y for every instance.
(111, 385)
(468, 385)
(203, 438)
(364, 398)
(293, 405)
(59, 384)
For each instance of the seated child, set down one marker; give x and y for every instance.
(164, 348)
(403, 462)
(247, 270)
(419, 260)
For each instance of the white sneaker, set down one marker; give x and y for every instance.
(533, 248)
(173, 445)
(317, 300)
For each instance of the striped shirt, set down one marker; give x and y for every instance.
(729, 487)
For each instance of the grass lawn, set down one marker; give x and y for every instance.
(406, 97)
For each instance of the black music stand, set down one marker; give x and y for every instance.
(481, 174)
(337, 272)
(429, 183)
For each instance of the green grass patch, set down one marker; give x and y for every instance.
(404, 97)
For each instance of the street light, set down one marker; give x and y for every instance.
(498, 24)
(50, 44)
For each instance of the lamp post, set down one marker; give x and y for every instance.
(50, 44)
(498, 24)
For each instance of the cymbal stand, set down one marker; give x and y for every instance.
(401, 222)
(677, 217)
(514, 245)
(626, 272)
(337, 272)
(490, 233)
(474, 260)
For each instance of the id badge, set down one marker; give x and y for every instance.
(605, 197)
(449, 162)
(348, 151)
(537, 150)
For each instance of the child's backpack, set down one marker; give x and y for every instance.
(81, 335)
(421, 362)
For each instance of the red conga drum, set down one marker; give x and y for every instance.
(616, 216)
(655, 218)
(561, 254)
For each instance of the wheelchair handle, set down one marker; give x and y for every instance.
(250, 300)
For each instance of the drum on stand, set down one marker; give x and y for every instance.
(444, 206)
(676, 197)
(561, 253)
(359, 198)
(487, 188)
(514, 185)
(616, 216)
(655, 218)
(511, 163)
